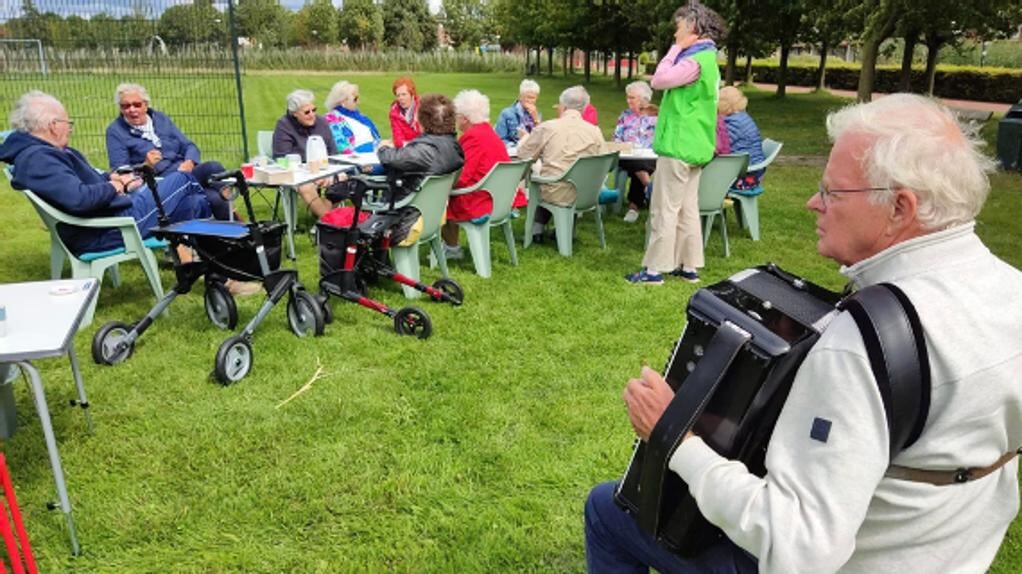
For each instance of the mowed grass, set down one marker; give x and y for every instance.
(468, 452)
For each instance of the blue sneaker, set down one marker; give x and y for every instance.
(690, 276)
(645, 277)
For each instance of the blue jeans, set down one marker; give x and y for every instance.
(615, 543)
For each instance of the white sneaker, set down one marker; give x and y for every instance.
(453, 252)
(632, 216)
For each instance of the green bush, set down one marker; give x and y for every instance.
(333, 59)
(956, 82)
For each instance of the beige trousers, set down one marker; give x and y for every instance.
(676, 235)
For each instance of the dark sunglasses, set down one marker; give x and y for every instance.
(308, 111)
(130, 105)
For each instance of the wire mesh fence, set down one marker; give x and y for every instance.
(80, 50)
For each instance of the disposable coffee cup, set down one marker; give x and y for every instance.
(294, 160)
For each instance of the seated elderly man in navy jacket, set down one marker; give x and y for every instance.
(143, 135)
(59, 174)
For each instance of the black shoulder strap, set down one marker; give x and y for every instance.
(896, 347)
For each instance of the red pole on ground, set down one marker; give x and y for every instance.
(19, 524)
(12, 546)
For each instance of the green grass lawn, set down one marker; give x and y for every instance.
(472, 451)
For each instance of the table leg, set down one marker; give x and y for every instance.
(288, 195)
(83, 401)
(51, 445)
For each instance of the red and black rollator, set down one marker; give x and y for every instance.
(356, 252)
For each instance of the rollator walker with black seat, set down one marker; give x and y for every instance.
(224, 250)
(354, 256)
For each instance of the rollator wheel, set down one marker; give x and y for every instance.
(305, 314)
(220, 306)
(450, 288)
(413, 321)
(110, 345)
(233, 360)
(328, 311)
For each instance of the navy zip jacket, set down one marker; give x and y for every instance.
(126, 146)
(64, 179)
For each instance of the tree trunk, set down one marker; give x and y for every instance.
(821, 71)
(567, 60)
(748, 69)
(933, 44)
(631, 61)
(732, 60)
(528, 56)
(550, 60)
(539, 60)
(905, 81)
(588, 64)
(782, 71)
(880, 27)
(617, 68)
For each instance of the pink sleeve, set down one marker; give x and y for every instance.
(670, 75)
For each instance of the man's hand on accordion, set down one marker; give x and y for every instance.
(646, 398)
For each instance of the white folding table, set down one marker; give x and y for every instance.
(42, 319)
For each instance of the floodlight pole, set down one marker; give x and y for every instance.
(237, 77)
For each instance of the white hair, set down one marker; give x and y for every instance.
(126, 87)
(34, 111)
(299, 98)
(916, 143)
(473, 105)
(640, 88)
(342, 93)
(528, 87)
(574, 98)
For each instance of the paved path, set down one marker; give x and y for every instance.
(963, 104)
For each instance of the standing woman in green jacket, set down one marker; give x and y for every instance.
(684, 140)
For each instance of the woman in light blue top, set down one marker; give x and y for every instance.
(521, 115)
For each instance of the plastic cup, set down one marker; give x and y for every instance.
(248, 170)
(294, 161)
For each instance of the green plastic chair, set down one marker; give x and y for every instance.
(587, 174)
(714, 183)
(501, 183)
(431, 201)
(95, 264)
(746, 200)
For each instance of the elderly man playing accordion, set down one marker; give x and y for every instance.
(897, 204)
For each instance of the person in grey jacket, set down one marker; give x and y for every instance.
(897, 204)
(291, 135)
(436, 151)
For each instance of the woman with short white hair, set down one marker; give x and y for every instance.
(520, 117)
(353, 131)
(291, 134)
(635, 125)
(483, 149)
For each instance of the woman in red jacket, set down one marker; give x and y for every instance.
(404, 124)
(483, 148)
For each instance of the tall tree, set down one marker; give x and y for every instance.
(264, 22)
(193, 24)
(408, 24)
(881, 19)
(315, 24)
(360, 23)
(466, 21)
(828, 25)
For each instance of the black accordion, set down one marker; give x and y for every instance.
(731, 370)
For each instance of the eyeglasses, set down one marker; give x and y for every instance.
(308, 111)
(824, 191)
(70, 123)
(130, 105)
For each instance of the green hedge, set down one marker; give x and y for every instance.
(955, 82)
